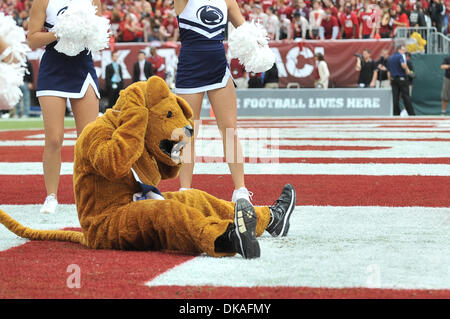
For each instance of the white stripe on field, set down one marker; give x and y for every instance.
(71, 135)
(375, 247)
(33, 143)
(211, 131)
(35, 168)
(390, 149)
(259, 148)
(29, 215)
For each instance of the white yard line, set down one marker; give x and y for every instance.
(375, 247)
(35, 168)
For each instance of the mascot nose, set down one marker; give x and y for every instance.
(188, 130)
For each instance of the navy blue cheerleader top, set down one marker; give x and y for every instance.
(202, 24)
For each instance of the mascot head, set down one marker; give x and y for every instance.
(170, 125)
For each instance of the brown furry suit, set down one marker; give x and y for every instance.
(138, 133)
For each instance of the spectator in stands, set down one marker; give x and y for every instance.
(445, 93)
(315, 19)
(285, 29)
(330, 5)
(446, 3)
(302, 9)
(246, 11)
(417, 16)
(399, 18)
(383, 80)
(270, 78)
(349, 23)
(113, 79)
(272, 24)
(366, 68)
(285, 10)
(115, 25)
(158, 63)
(155, 24)
(239, 74)
(300, 26)
(436, 10)
(128, 28)
(385, 27)
(267, 4)
(329, 27)
(367, 21)
(169, 28)
(322, 73)
(142, 69)
(258, 15)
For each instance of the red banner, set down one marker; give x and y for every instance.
(295, 61)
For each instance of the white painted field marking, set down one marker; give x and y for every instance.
(337, 247)
(35, 168)
(29, 215)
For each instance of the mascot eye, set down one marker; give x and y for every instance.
(169, 114)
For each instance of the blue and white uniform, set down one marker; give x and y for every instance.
(62, 75)
(202, 63)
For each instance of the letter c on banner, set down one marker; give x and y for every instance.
(291, 62)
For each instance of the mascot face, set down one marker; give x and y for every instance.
(170, 125)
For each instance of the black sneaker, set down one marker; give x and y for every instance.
(281, 211)
(243, 235)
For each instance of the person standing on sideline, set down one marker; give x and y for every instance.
(445, 94)
(322, 72)
(271, 78)
(23, 107)
(399, 71)
(411, 75)
(113, 79)
(366, 68)
(142, 69)
(60, 77)
(383, 80)
(158, 63)
(203, 67)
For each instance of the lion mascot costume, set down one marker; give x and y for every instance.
(121, 157)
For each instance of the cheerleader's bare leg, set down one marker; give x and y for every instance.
(85, 110)
(195, 101)
(53, 111)
(223, 102)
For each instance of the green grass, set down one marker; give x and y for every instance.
(30, 123)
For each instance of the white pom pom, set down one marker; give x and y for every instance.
(98, 39)
(11, 77)
(249, 44)
(14, 37)
(80, 28)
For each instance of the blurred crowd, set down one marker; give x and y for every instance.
(155, 20)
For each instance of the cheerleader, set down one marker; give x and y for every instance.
(203, 67)
(13, 49)
(60, 77)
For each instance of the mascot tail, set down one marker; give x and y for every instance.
(33, 234)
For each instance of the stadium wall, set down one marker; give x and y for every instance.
(311, 102)
(426, 94)
(295, 60)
